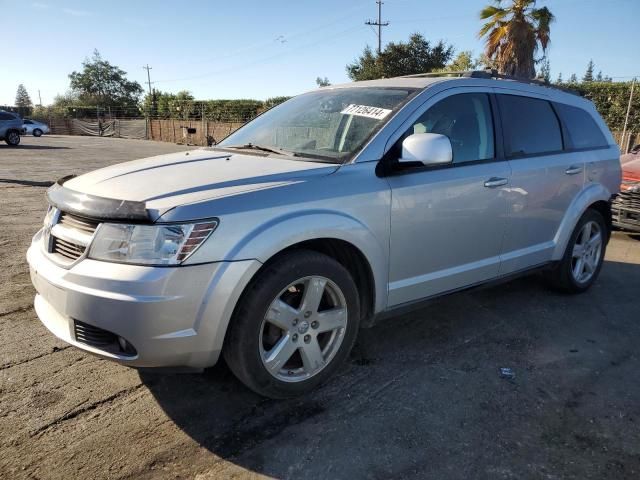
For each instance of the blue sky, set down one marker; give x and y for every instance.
(263, 48)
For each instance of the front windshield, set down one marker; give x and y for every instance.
(328, 124)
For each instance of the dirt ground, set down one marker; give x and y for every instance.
(422, 395)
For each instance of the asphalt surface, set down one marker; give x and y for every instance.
(421, 397)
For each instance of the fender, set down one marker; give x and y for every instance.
(269, 238)
(592, 193)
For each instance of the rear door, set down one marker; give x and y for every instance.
(447, 221)
(545, 178)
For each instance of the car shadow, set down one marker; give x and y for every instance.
(27, 183)
(34, 147)
(414, 370)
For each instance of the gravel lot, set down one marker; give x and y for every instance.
(422, 396)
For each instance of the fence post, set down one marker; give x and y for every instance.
(626, 118)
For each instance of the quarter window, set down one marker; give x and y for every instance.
(583, 130)
(466, 120)
(530, 126)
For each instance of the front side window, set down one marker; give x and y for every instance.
(530, 126)
(583, 130)
(328, 124)
(466, 120)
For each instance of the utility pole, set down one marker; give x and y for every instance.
(153, 103)
(39, 97)
(626, 118)
(147, 68)
(378, 24)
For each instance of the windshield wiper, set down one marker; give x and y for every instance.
(252, 146)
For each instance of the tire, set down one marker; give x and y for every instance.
(271, 326)
(37, 132)
(13, 138)
(565, 276)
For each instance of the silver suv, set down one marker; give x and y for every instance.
(10, 128)
(335, 209)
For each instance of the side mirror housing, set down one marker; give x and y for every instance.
(428, 148)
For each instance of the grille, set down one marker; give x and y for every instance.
(82, 224)
(627, 201)
(102, 339)
(93, 336)
(67, 249)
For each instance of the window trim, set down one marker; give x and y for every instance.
(537, 154)
(384, 168)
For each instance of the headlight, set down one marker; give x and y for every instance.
(149, 244)
(631, 186)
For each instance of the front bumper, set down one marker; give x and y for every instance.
(172, 316)
(625, 211)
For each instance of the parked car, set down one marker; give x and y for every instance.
(35, 128)
(10, 128)
(626, 206)
(338, 208)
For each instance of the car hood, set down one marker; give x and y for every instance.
(167, 181)
(631, 169)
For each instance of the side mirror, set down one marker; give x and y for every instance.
(428, 148)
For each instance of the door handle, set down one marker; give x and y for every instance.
(494, 182)
(573, 169)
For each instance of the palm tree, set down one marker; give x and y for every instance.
(514, 34)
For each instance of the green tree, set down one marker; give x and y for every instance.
(322, 82)
(599, 77)
(514, 33)
(401, 58)
(559, 80)
(573, 78)
(23, 101)
(588, 75)
(463, 62)
(545, 70)
(101, 84)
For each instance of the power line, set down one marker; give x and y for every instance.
(379, 24)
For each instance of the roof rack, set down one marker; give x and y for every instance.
(491, 75)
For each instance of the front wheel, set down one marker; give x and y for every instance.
(584, 255)
(294, 326)
(13, 138)
(37, 132)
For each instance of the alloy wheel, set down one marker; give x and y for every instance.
(586, 252)
(303, 329)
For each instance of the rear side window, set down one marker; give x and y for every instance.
(530, 126)
(581, 127)
(6, 116)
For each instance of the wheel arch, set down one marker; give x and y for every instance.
(595, 196)
(351, 258)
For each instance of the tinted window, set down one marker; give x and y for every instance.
(6, 116)
(583, 130)
(28, 122)
(466, 120)
(530, 126)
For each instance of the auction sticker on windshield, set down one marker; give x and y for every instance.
(366, 111)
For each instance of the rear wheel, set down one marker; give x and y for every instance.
(583, 256)
(294, 326)
(37, 132)
(13, 138)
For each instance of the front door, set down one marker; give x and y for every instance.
(448, 222)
